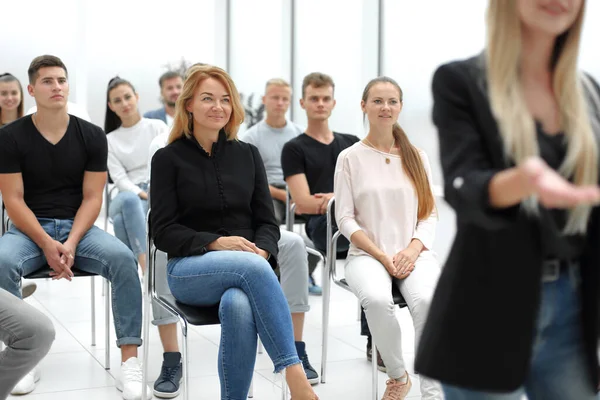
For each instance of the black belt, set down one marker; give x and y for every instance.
(552, 268)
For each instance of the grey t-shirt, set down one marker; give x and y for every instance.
(270, 143)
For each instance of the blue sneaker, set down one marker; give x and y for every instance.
(311, 373)
(313, 288)
(167, 384)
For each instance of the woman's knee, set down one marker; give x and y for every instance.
(235, 307)
(379, 304)
(125, 202)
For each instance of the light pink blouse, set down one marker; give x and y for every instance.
(379, 199)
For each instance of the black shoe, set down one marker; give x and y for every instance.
(380, 365)
(311, 373)
(167, 384)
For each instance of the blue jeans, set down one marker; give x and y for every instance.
(128, 212)
(558, 369)
(98, 252)
(251, 303)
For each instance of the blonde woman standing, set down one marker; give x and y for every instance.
(386, 209)
(516, 308)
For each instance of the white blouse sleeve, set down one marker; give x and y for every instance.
(344, 201)
(425, 229)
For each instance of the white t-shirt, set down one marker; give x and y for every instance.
(128, 153)
(72, 109)
(170, 121)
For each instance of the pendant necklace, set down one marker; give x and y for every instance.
(387, 159)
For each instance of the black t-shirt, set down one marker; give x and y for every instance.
(52, 174)
(553, 150)
(305, 155)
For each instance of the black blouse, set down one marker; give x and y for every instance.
(196, 197)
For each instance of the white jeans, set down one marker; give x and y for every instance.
(372, 284)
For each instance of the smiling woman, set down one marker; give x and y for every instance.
(11, 99)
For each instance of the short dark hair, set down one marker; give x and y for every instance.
(168, 75)
(316, 79)
(44, 62)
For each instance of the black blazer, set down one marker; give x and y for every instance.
(197, 198)
(482, 318)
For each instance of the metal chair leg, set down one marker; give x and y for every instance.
(374, 368)
(146, 333)
(93, 290)
(251, 391)
(284, 391)
(260, 347)
(186, 370)
(107, 325)
(326, 282)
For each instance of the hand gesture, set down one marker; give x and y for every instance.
(553, 190)
(57, 257)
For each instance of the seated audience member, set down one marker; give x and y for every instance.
(308, 160)
(269, 136)
(385, 207)
(11, 99)
(129, 137)
(170, 84)
(212, 214)
(28, 335)
(52, 176)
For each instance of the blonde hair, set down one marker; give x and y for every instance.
(277, 82)
(183, 123)
(412, 163)
(516, 124)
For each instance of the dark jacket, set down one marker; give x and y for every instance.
(482, 318)
(159, 113)
(197, 198)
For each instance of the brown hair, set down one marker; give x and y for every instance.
(44, 61)
(412, 163)
(183, 124)
(6, 77)
(317, 80)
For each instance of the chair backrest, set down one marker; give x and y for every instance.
(332, 238)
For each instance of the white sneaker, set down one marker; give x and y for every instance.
(131, 380)
(27, 384)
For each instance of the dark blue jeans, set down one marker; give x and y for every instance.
(558, 370)
(316, 230)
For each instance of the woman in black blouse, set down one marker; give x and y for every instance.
(516, 309)
(213, 215)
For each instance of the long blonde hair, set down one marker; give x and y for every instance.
(412, 163)
(183, 124)
(516, 124)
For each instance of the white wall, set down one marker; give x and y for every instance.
(330, 38)
(26, 32)
(260, 44)
(98, 40)
(123, 41)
